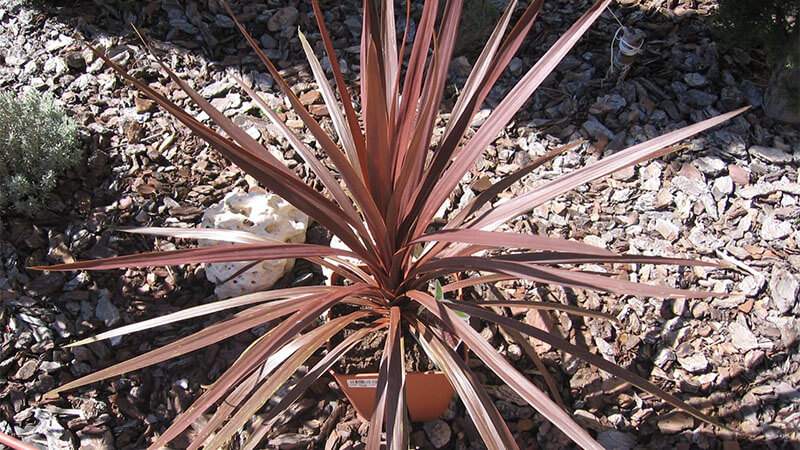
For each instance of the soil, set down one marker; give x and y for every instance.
(366, 356)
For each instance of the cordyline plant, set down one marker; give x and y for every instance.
(389, 178)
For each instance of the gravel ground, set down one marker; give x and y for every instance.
(732, 194)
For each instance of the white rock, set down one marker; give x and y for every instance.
(664, 356)
(56, 65)
(694, 363)
(480, 118)
(338, 244)
(710, 165)
(704, 242)
(467, 197)
(773, 228)
(767, 188)
(651, 176)
(741, 336)
(751, 284)
(783, 288)
(667, 229)
(58, 44)
(596, 241)
(100, 441)
(216, 89)
(722, 187)
(253, 132)
(690, 186)
(442, 211)
(770, 154)
(265, 215)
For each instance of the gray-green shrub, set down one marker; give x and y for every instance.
(38, 142)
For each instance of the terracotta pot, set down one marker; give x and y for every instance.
(428, 394)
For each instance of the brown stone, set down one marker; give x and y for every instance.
(310, 97)
(525, 425)
(739, 175)
(676, 423)
(318, 110)
(747, 306)
(143, 105)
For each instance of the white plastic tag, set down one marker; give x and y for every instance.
(362, 383)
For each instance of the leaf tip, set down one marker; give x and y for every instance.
(81, 342)
(51, 395)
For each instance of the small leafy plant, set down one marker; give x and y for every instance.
(38, 142)
(478, 18)
(390, 178)
(771, 24)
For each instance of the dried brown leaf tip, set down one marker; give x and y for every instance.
(385, 172)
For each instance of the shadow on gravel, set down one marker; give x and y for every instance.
(199, 27)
